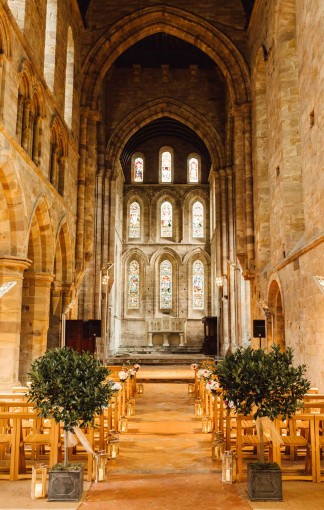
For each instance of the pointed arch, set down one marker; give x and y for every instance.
(40, 238)
(178, 23)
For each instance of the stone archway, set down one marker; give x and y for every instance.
(276, 327)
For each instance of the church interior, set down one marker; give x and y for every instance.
(161, 179)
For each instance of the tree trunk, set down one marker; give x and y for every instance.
(66, 447)
(261, 441)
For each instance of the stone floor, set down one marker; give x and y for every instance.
(165, 463)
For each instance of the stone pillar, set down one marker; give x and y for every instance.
(224, 258)
(81, 193)
(20, 109)
(150, 340)
(248, 188)
(25, 124)
(11, 269)
(90, 179)
(232, 271)
(34, 319)
(54, 168)
(165, 340)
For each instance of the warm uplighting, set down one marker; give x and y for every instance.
(199, 407)
(5, 287)
(219, 281)
(122, 424)
(191, 389)
(140, 389)
(207, 424)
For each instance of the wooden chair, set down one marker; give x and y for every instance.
(296, 449)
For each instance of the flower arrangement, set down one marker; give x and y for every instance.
(123, 375)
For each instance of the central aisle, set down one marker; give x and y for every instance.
(165, 460)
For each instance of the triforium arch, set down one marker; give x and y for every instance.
(166, 107)
(173, 21)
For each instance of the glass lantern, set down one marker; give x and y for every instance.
(113, 449)
(191, 389)
(38, 482)
(122, 424)
(100, 466)
(130, 408)
(207, 424)
(218, 446)
(229, 467)
(199, 407)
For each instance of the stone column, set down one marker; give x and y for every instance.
(224, 258)
(54, 167)
(81, 193)
(25, 124)
(11, 269)
(34, 319)
(232, 272)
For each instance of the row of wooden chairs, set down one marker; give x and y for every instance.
(300, 452)
(26, 439)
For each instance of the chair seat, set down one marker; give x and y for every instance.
(294, 441)
(251, 440)
(38, 439)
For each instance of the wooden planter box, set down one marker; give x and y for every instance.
(264, 484)
(65, 485)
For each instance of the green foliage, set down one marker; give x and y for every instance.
(263, 466)
(262, 384)
(70, 466)
(69, 387)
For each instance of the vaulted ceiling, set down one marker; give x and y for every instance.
(247, 5)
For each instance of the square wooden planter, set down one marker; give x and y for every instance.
(65, 485)
(264, 484)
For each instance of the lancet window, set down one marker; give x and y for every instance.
(166, 166)
(166, 285)
(138, 169)
(198, 278)
(193, 170)
(197, 220)
(166, 219)
(134, 231)
(134, 285)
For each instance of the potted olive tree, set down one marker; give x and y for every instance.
(262, 384)
(72, 388)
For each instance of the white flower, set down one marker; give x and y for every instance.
(200, 373)
(123, 375)
(203, 372)
(194, 366)
(230, 404)
(131, 372)
(137, 367)
(116, 386)
(211, 385)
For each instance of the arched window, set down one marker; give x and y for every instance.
(198, 285)
(193, 170)
(133, 285)
(166, 219)
(197, 220)
(69, 79)
(138, 169)
(166, 166)
(166, 285)
(50, 43)
(134, 230)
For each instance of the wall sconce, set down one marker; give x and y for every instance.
(122, 424)
(320, 282)
(191, 389)
(229, 467)
(100, 466)
(140, 389)
(199, 407)
(219, 281)
(207, 424)
(38, 482)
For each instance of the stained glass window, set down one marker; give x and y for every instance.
(197, 220)
(166, 285)
(166, 219)
(198, 285)
(193, 170)
(138, 169)
(166, 167)
(134, 220)
(133, 285)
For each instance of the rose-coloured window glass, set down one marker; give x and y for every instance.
(197, 220)
(133, 285)
(134, 220)
(166, 167)
(166, 219)
(138, 170)
(193, 170)
(166, 285)
(198, 285)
